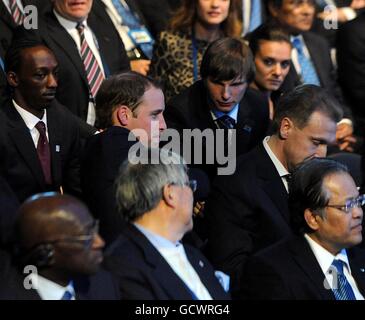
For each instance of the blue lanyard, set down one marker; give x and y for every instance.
(195, 56)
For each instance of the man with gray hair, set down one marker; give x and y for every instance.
(156, 200)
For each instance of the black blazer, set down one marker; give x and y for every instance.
(319, 52)
(19, 161)
(289, 270)
(102, 157)
(100, 286)
(189, 110)
(351, 63)
(246, 212)
(145, 274)
(72, 84)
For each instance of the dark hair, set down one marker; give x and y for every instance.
(300, 103)
(306, 190)
(228, 59)
(277, 4)
(267, 32)
(186, 15)
(13, 56)
(125, 88)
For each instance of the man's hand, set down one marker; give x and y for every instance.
(345, 139)
(141, 66)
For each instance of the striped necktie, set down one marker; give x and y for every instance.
(343, 290)
(18, 16)
(309, 74)
(94, 74)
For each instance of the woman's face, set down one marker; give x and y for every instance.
(212, 12)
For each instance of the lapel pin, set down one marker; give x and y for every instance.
(362, 269)
(58, 148)
(247, 128)
(201, 264)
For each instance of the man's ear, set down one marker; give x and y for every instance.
(12, 78)
(286, 125)
(272, 9)
(123, 113)
(312, 219)
(169, 195)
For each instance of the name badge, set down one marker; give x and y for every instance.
(140, 36)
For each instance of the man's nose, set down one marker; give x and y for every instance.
(98, 242)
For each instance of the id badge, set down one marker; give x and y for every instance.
(140, 36)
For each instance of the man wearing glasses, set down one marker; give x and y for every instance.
(61, 252)
(248, 211)
(319, 262)
(157, 202)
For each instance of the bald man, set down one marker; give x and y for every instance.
(59, 239)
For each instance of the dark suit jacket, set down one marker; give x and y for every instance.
(289, 270)
(246, 212)
(351, 63)
(19, 161)
(72, 84)
(189, 110)
(145, 274)
(100, 286)
(103, 155)
(319, 52)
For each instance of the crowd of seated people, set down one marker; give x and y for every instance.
(186, 139)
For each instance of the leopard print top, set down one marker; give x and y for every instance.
(172, 62)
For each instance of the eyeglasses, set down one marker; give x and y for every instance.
(84, 240)
(192, 184)
(350, 204)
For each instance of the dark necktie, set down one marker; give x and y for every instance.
(344, 290)
(43, 152)
(15, 12)
(67, 295)
(226, 122)
(94, 74)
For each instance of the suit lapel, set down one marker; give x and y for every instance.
(271, 182)
(167, 278)
(54, 134)
(22, 139)
(60, 36)
(306, 260)
(357, 264)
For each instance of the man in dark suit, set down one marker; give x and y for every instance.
(222, 96)
(59, 252)
(319, 263)
(311, 59)
(351, 66)
(125, 102)
(58, 30)
(156, 199)
(37, 157)
(248, 211)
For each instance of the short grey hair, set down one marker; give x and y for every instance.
(139, 185)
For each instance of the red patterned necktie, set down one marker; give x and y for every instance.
(18, 16)
(94, 74)
(43, 152)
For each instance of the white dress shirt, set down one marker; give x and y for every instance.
(30, 121)
(325, 259)
(49, 290)
(175, 256)
(70, 27)
(278, 165)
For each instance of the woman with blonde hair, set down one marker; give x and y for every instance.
(178, 51)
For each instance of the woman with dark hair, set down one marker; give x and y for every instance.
(179, 50)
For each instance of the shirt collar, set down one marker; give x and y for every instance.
(216, 114)
(30, 119)
(324, 257)
(157, 241)
(68, 24)
(49, 290)
(278, 165)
